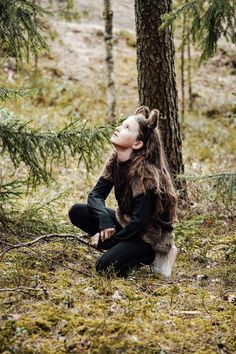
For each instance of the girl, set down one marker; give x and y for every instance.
(141, 227)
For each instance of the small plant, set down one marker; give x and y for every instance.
(68, 11)
(128, 37)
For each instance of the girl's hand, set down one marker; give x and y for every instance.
(107, 233)
(95, 239)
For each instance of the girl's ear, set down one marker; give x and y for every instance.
(137, 145)
(144, 110)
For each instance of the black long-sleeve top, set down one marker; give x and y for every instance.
(141, 208)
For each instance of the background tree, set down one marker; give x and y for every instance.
(156, 76)
(111, 97)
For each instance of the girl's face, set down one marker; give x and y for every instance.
(126, 135)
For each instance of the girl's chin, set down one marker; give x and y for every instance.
(113, 143)
(113, 139)
(116, 146)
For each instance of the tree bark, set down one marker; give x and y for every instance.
(111, 97)
(190, 96)
(156, 77)
(183, 70)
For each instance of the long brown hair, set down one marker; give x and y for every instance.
(149, 167)
(149, 162)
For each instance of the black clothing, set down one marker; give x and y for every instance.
(120, 171)
(140, 208)
(96, 203)
(125, 255)
(143, 208)
(126, 250)
(102, 189)
(81, 216)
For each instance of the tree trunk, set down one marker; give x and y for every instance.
(111, 98)
(35, 55)
(156, 77)
(190, 96)
(183, 70)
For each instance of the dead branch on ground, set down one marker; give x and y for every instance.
(43, 238)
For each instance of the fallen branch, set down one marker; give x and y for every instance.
(44, 238)
(6, 243)
(24, 288)
(190, 313)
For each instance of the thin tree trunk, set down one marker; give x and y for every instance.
(36, 55)
(111, 97)
(182, 69)
(189, 74)
(157, 80)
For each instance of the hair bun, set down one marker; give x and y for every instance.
(153, 119)
(144, 110)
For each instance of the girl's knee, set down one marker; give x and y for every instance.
(74, 213)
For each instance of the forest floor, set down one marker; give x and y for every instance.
(51, 299)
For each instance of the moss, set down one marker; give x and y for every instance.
(44, 325)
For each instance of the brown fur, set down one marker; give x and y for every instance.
(148, 182)
(149, 171)
(160, 240)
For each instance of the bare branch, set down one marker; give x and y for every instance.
(24, 288)
(43, 238)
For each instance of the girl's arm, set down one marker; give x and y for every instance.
(96, 203)
(142, 212)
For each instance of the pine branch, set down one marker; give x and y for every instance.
(224, 183)
(224, 175)
(68, 11)
(38, 149)
(6, 93)
(210, 21)
(19, 33)
(11, 190)
(169, 18)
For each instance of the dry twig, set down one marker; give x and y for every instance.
(42, 238)
(24, 288)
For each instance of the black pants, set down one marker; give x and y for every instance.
(122, 257)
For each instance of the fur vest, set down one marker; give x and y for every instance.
(160, 240)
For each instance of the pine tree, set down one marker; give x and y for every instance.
(212, 19)
(20, 34)
(38, 149)
(156, 77)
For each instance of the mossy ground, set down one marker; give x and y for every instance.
(190, 312)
